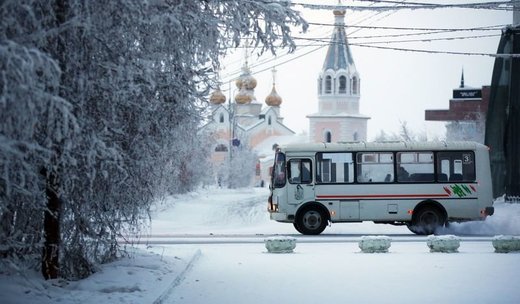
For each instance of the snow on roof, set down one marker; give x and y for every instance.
(383, 146)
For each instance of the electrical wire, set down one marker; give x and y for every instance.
(231, 76)
(493, 5)
(324, 40)
(480, 28)
(438, 52)
(320, 43)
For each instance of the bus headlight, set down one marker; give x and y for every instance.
(272, 207)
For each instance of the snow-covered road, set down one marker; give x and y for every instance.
(229, 228)
(340, 273)
(219, 256)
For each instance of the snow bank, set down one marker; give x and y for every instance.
(140, 278)
(280, 244)
(373, 244)
(443, 243)
(506, 243)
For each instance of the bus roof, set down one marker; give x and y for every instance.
(383, 146)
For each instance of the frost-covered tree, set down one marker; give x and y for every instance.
(238, 168)
(404, 134)
(99, 103)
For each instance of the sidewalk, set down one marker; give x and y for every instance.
(145, 277)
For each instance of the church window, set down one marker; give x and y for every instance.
(355, 136)
(342, 84)
(320, 85)
(328, 85)
(221, 118)
(355, 86)
(221, 148)
(328, 137)
(269, 122)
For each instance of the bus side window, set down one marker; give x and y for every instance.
(375, 167)
(456, 166)
(294, 172)
(306, 172)
(300, 171)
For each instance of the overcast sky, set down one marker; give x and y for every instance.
(395, 85)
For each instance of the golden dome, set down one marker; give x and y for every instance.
(273, 99)
(217, 97)
(249, 82)
(243, 97)
(245, 79)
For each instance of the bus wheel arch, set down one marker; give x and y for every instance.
(427, 217)
(311, 218)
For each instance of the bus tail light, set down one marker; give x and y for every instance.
(410, 211)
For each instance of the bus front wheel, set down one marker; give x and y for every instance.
(426, 220)
(311, 221)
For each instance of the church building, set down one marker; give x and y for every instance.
(246, 123)
(339, 90)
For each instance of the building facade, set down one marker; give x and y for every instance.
(466, 116)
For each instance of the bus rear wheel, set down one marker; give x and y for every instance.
(311, 221)
(426, 220)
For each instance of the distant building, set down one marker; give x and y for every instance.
(245, 122)
(466, 116)
(339, 90)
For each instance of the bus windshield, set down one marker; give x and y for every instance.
(278, 173)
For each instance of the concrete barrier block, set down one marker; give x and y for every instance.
(375, 244)
(443, 243)
(280, 244)
(506, 243)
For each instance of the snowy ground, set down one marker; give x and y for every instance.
(330, 268)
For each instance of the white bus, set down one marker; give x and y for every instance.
(424, 185)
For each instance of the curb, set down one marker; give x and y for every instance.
(178, 280)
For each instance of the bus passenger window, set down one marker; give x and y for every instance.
(336, 167)
(415, 167)
(375, 167)
(457, 166)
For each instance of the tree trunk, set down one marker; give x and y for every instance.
(51, 224)
(51, 229)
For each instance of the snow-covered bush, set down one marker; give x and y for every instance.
(104, 98)
(506, 243)
(375, 244)
(443, 243)
(280, 244)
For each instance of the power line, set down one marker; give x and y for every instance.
(494, 5)
(480, 28)
(438, 52)
(401, 41)
(323, 42)
(232, 75)
(433, 39)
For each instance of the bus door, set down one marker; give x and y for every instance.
(300, 187)
(335, 184)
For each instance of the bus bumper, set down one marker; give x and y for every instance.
(278, 216)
